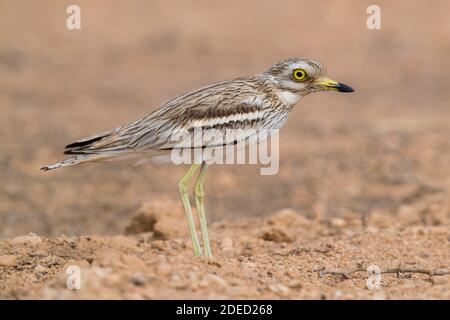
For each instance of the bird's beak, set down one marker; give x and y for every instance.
(329, 84)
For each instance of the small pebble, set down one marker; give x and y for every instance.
(279, 288)
(163, 269)
(216, 280)
(338, 222)
(295, 284)
(138, 279)
(29, 239)
(226, 244)
(8, 260)
(40, 269)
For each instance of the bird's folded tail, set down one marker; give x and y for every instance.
(73, 161)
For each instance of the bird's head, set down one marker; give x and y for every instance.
(299, 77)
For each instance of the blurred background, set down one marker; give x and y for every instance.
(384, 148)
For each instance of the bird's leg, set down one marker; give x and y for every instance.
(199, 195)
(182, 186)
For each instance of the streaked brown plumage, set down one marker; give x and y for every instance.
(261, 102)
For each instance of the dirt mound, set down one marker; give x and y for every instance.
(163, 218)
(282, 256)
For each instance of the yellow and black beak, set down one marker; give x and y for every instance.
(329, 84)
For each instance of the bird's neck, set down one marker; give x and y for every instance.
(288, 97)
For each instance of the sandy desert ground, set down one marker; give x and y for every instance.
(364, 179)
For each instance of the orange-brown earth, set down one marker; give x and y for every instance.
(366, 176)
(281, 256)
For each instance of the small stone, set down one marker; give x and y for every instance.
(214, 263)
(226, 244)
(40, 269)
(8, 260)
(158, 245)
(38, 253)
(100, 273)
(181, 283)
(176, 277)
(31, 239)
(130, 260)
(277, 235)
(338, 223)
(163, 269)
(193, 276)
(295, 284)
(216, 280)
(251, 264)
(177, 244)
(279, 288)
(288, 217)
(236, 290)
(79, 263)
(138, 279)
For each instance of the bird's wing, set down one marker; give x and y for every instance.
(235, 105)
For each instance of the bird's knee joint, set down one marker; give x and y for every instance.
(199, 193)
(182, 187)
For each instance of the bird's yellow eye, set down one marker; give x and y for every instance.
(299, 74)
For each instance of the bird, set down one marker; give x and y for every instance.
(261, 102)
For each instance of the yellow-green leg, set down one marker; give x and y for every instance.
(182, 186)
(199, 195)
